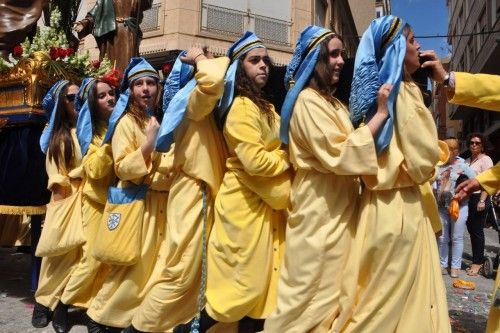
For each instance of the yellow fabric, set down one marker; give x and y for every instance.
(87, 278)
(493, 325)
(120, 245)
(430, 206)
(98, 169)
(490, 179)
(247, 240)
(328, 154)
(56, 271)
(125, 286)
(200, 156)
(201, 150)
(476, 90)
(63, 227)
(394, 281)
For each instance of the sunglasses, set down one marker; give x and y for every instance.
(256, 59)
(338, 52)
(476, 143)
(71, 97)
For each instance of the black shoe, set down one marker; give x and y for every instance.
(205, 322)
(250, 325)
(132, 329)
(94, 327)
(60, 318)
(41, 316)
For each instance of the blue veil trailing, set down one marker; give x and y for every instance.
(379, 59)
(49, 104)
(299, 71)
(177, 88)
(84, 122)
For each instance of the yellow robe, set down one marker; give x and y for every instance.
(56, 271)
(199, 156)
(476, 90)
(125, 286)
(98, 174)
(482, 91)
(247, 240)
(328, 155)
(393, 278)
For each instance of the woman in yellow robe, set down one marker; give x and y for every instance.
(480, 91)
(393, 278)
(199, 157)
(63, 165)
(96, 101)
(328, 155)
(246, 243)
(133, 134)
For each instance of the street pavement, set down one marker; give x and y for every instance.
(468, 309)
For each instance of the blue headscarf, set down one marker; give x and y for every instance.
(137, 68)
(177, 88)
(247, 42)
(84, 122)
(49, 104)
(379, 60)
(300, 69)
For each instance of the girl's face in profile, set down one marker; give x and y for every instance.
(256, 66)
(411, 60)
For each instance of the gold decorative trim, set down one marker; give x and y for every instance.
(21, 210)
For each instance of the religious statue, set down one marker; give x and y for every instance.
(115, 26)
(18, 19)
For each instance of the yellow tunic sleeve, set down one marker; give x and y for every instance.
(490, 179)
(417, 135)
(326, 133)
(244, 129)
(209, 88)
(126, 146)
(476, 90)
(98, 162)
(56, 176)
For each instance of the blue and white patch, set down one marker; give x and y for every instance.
(114, 220)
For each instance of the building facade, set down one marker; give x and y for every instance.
(174, 25)
(475, 50)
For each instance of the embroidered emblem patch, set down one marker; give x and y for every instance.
(114, 220)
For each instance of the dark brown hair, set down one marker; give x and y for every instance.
(247, 88)
(139, 115)
(61, 143)
(322, 75)
(480, 137)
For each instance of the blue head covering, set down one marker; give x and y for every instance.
(379, 59)
(84, 121)
(177, 88)
(299, 70)
(49, 104)
(137, 68)
(247, 42)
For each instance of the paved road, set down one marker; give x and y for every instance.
(468, 309)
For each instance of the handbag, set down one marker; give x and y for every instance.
(63, 227)
(118, 240)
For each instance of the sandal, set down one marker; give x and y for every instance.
(474, 272)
